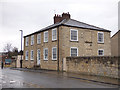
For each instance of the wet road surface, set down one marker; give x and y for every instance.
(23, 79)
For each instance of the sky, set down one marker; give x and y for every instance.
(33, 15)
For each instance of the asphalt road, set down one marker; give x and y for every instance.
(23, 79)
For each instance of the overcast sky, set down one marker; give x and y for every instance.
(32, 15)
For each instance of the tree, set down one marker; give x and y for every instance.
(8, 47)
(12, 51)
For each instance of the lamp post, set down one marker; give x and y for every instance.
(21, 48)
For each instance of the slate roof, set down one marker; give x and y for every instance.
(71, 23)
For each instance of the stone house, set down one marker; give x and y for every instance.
(115, 43)
(48, 47)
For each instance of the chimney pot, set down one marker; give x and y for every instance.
(59, 18)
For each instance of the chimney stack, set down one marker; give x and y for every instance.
(59, 18)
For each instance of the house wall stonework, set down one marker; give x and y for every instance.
(87, 46)
(87, 43)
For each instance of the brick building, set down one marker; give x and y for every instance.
(48, 47)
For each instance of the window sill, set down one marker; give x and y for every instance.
(54, 40)
(45, 60)
(100, 42)
(74, 41)
(54, 59)
(45, 42)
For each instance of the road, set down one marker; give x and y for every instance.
(25, 79)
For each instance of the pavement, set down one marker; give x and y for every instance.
(90, 78)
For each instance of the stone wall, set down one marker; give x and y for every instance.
(101, 66)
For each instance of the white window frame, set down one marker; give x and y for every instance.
(53, 39)
(37, 54)
(26, 57)
(75, 48)
(32, 58)
(26, 41)
(56, 53)
(32, 40)
(44, 36)
(70, 34)
(44, 54)
(98, 52)
(98, 37)
(39, 38)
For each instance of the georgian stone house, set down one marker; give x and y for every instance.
(48, 47)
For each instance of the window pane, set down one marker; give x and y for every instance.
(32, 39)
(26, 55)
(74, 52)
(38, 55)
(38, 38)
(32, 55)
(45, 54)
(54, 52)
(54, 32)
(27, 41)
(100, 37)
(45, 36)
(73, 35)
(100, 52)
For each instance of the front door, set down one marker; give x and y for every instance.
(38, 57)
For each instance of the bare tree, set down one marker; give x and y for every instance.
(8, 47)
(12, 51)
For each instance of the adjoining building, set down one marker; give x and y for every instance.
(115, 44)
(48, 47)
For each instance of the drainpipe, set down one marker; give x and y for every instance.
(58, 51)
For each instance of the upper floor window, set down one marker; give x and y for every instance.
(27, 41)
(26, 55)
(74, 51)
(32, 39)
(54, 53)
(45, 54)
(73, 35)
(54, 34)
(38, 38)
(100, 37)
(100, 52)
(46, 36)
(32, 55)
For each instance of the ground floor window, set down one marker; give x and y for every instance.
(26, 55)
(45, 54)
(32, 55)
(100, 52)
(54, 53)
(74, 51)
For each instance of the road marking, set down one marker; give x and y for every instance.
(12, 81)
